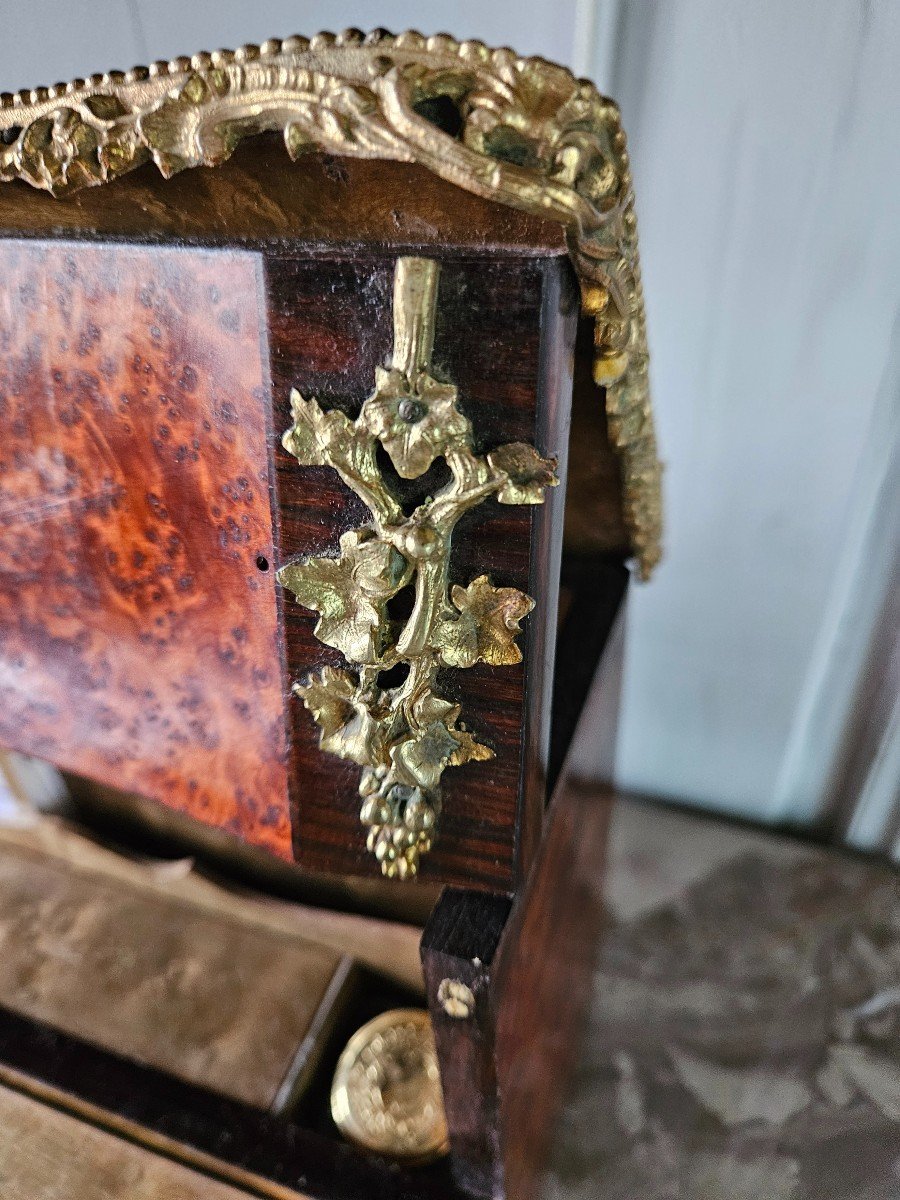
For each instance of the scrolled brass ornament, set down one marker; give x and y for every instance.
(520, 131)
(404, 737)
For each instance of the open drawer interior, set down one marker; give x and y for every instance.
(185, 1012)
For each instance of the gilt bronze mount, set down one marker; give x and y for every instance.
(405, 736)
(520, 131)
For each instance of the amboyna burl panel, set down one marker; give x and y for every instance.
(138, 635)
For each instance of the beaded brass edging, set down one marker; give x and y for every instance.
(520, 131)
(404, 735)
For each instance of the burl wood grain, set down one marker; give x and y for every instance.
(504, 336)
(138, 635)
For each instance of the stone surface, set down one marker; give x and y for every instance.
(744, 1041)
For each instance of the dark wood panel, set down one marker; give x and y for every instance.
(544, 967)
(594, 520)
(503, 335)
(508, 1054)
(507, 1058)
(259, 195)
(138, 635)
(591, 591)
(543, 980)
(459, 945)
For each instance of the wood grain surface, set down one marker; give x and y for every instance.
(260, 197)
(138, 637)
(459, 945)
(542, 983)
(506, 1064)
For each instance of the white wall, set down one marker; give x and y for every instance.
(766, 149)
(49, 40)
